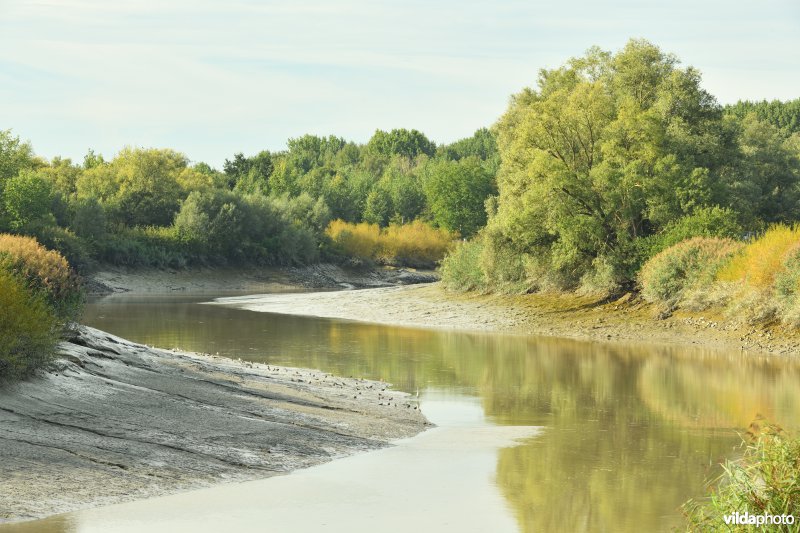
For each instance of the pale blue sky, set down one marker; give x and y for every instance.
(210, 78)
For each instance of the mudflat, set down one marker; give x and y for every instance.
(558, 315)
(115, 421)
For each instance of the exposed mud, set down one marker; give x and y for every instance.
(114, 421)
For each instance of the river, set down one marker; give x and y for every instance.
(535, 434)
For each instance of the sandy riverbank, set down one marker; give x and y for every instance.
(430, 306)
(117, 421)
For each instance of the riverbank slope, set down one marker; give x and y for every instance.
(569, 316)
(115, 421)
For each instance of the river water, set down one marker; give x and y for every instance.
(535, 434)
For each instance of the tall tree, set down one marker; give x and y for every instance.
(608, 148)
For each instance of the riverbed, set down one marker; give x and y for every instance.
(535, 434)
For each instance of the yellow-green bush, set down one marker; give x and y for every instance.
(28, 328)
(44, 271)
(415, 244)
(362, 240)
(762, 260)
(694, 263)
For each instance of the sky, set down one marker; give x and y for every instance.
(212, 78)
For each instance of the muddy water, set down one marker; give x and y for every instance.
(628, 432)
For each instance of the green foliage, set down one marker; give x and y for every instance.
(461, 269)
(763, 481)
(482, 145)
(615, 157)
(230, 227)
(783, 115)
(139, 187)
(15, 156)
(765, 182)
(704, 222)
(249, 174)
(457, 191)
(379, 207)
(91, 160)
(690, 265)
(610, 159)
(28, 199)
(89, 219)
(28, 329)
(403, 142)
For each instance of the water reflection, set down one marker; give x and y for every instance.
(631, 431)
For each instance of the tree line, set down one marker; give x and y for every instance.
(613, 157)
(609, 159)
(155, 207)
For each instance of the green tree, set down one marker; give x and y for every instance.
(140, 187)
(608, 149)
(27, 200)
(783, 115)
(407, 143)
(765, 185)
(249, 174)
(456, 192)
(15, 156)
(379, 209)
(89, 219)
(91, 160)
(482, 145)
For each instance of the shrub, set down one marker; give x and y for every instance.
(763, 481)
(45, 272)
(356, 240)
(762, 260)
(28, 328)
(461, 268)
(694, 263)
(415, 244)
(704, 222)
(787, 286)
(75, 250)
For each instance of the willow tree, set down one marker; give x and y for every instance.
(607, 149)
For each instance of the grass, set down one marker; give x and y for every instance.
(766, 480)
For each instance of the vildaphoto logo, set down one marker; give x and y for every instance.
(745, 518)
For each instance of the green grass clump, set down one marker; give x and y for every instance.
(45, 273)
(28, 329)
(669, 275)
(766, 480)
